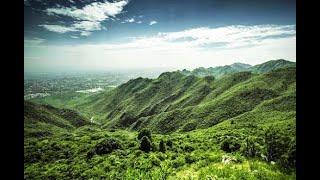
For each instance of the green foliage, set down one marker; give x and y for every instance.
(197, 112)
(288, 159)
(276, 143)
(230, 144)
(145, 144)
(175, 102)
(169, 143)
(162, 146)
(251, 147)
(63, 156)
(144, 132)
(280, 147)
(189, 126)
(272, 65)
(105, 147)
(178, 162)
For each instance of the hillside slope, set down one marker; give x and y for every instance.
(217, 72)
(271, 65)
(173, 101)
(43, 120)
(239, 126)
(220, 71)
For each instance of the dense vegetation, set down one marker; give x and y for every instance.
(239, 126)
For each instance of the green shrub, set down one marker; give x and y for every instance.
(145, 144)
(190, 159)
(251, 148)
(288, 160)
(104, 147)
(276, 144)
(154, 160)
(162, 146)
(144, 132)
(162, 156)
(178, 162)
(188, 148)
(239, 158)
(189, 126)
(230, 145)
(169, 143)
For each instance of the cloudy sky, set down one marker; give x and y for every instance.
(100, 34)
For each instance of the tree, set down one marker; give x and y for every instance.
(230, 144)
(288, 159)
(251, 147)
(145, 144)
(162, 146)
(107, 146)
(144, 132)
(277, 143)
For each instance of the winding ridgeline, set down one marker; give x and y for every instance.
(175, 102)
(239, 117)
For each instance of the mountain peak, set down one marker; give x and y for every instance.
(242, 65)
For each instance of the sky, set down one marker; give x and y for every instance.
(77, 35)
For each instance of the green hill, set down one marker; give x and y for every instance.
(239, 126)
(43, 120)
(220, 71)
(271, 65)
(217, 71)
(173, 100)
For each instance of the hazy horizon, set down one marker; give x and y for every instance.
(128, 70)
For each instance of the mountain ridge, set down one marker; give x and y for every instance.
(220, 71)
(173, 100)
(163, 104)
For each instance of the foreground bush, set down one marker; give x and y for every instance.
(162, 146)
(145, 144)
(280, 148)
(144, 132)
(251, 147)
(104, 147)
(230, 144)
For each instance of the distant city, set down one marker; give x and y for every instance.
(45, 84)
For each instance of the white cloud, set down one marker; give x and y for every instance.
(131, 20)
(84, 27)
(88, 18)
(96, 11)
(230, 36)
(85, 33)
(58, 28)
(87, 26)
(190, 48)
(203, 38)
(152, 23)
